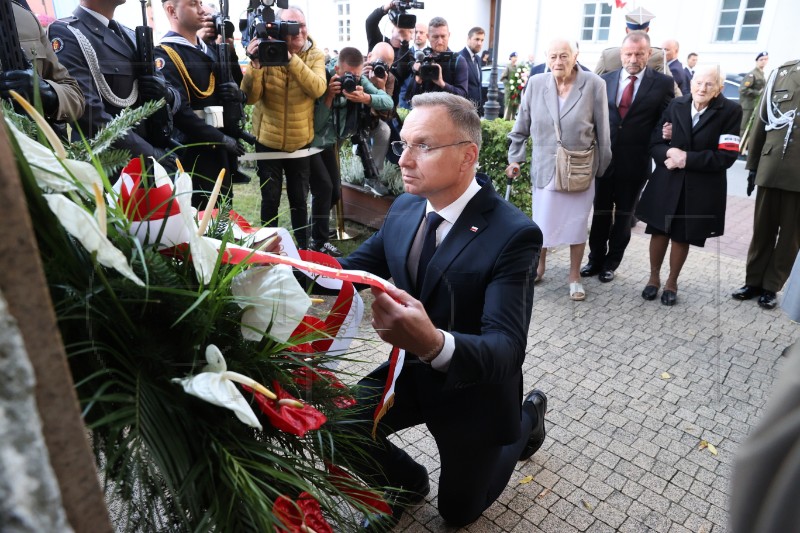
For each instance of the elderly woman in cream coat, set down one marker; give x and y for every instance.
(576, 101)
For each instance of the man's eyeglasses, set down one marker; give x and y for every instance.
(419, 150)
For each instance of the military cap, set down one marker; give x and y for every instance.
(761, 54)
(639, 19)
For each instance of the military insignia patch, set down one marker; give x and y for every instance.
(159, 63)
(57, 44)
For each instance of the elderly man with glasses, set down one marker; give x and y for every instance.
(463, 261)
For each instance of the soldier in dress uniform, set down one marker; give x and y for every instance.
(774, 165)
(751, 88)
(101, 55)
(191, 65)
(62, 99)
(638, 19)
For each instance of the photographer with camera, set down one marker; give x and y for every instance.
(377, 71)
(403, 28)
(283, 118)
(438, 69)
(191, 66)
(341, 113)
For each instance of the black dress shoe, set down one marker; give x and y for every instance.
(668, 297)
(650, 292)
(398, 500)
(589, 270)
(746, 293)
(606, 276)
(768, 300)
(535, 405)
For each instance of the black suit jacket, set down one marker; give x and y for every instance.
(678, 72)
(630, 137)
(478, 287)
(474, 79)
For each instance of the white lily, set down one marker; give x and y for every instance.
(272, 298)
(204, 251)
(215, 385)
(83, 226)
(48, 169)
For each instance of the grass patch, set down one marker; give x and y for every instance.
(247, 202)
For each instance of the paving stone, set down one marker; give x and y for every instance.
(621, 439)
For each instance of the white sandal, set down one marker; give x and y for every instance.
(576, 291)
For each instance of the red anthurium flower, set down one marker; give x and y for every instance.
(288, 413)
(302, 516)
(306, 376)
(307, 331)
(352, 488)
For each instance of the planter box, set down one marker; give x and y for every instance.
(362, 206)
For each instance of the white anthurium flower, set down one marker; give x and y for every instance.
(215, 385)
(48, 170)
(204, 251)
(82, 225)
(272, 298)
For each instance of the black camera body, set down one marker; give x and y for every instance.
(349, 82)
(399, 17)
(427, 67)
(379, 68)
(261, 24)
(222, 26)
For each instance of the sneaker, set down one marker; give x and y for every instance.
(325, 248)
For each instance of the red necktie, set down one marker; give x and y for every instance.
(627, 97)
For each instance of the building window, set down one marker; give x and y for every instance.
(343, 16)
(596, 21)
(739, 20)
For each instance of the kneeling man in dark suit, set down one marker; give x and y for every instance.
(463, 261)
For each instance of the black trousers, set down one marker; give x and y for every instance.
(204, 164)
(325, 183)
(270, 175)
(614, 204)
(473, 470)
(776, 238)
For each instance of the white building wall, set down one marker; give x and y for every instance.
(526, 26)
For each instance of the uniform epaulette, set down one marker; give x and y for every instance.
(790, 63)
(69, 20)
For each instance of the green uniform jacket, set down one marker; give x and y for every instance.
(750, 89)
(776, 168)
(38, 50)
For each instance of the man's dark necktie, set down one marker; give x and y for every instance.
(627, 97)
(428, 246)
(477, 61)
(114, 26)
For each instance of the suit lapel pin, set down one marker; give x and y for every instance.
(474, 229)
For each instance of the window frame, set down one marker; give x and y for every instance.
(597, 28)
(742, 10)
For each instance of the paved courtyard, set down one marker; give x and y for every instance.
(623, 440)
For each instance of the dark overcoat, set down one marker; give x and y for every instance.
(699, 190)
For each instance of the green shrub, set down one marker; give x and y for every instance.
(493, 161)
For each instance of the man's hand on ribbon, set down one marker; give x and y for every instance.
(401, 320)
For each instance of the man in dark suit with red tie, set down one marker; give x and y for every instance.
(637, 96)
(471, 54)
(463, 261)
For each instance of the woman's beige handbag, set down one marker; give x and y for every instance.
(574, 168)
